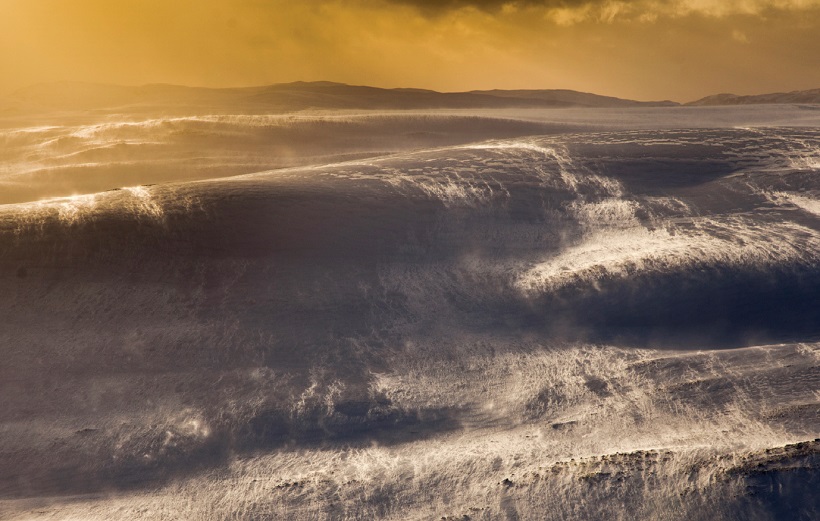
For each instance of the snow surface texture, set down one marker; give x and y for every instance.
(603, 324)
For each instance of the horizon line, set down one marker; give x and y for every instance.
(422, 89)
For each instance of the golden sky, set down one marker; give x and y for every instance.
(641, 49)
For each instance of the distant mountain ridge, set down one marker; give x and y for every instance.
(294, 96)
(798, 96)
(572, 98)
(325, 95)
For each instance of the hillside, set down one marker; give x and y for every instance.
(798, 96)
(572, 98)
(287, 97)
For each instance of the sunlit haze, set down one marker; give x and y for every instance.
(639, 49)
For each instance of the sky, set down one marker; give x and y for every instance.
(641, 49)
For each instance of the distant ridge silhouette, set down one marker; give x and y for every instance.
(798, 96)
(285, 97)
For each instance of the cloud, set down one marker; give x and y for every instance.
(566, 12)
(740, 36)
(437, 6)
(491, 4)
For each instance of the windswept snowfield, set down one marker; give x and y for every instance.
(579, 314)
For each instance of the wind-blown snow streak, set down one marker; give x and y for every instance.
(609, 325)
(624, 252)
